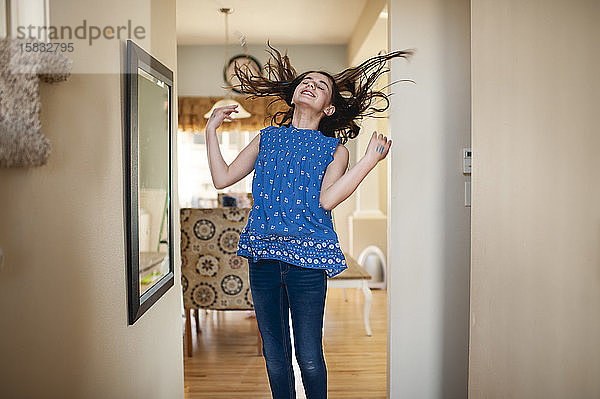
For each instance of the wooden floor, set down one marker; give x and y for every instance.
(225, 362)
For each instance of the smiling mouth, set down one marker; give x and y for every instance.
(308, 93)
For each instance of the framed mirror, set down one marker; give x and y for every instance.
(148, 180)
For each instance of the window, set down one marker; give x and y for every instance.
(196, 189)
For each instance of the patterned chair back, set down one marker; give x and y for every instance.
(212, 275)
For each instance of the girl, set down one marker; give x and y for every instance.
(300, 174)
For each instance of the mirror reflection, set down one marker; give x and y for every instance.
(153, 163)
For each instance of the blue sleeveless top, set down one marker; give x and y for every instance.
(287, 222)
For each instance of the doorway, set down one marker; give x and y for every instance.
(226, 345)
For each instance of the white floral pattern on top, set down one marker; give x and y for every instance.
(287, 222)
(300, 251)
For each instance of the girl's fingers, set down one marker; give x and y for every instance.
(382, 144)
(383, 148)
(226, 109)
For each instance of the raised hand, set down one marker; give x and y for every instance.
(378, 147)
(220, 115)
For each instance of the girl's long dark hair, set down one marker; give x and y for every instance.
(353, 95)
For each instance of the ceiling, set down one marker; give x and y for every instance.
(281, 21)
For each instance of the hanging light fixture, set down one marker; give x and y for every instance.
(228, 100)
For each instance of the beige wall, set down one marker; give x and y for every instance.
(63, 300)
(429, 245)
(361, 219)
(535, 319)
(362, 30)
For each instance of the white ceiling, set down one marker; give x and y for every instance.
(281, 21)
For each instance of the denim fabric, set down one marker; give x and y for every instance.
(278, 289)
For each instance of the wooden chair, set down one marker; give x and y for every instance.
(212, 275)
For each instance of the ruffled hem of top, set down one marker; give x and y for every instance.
(314, 253)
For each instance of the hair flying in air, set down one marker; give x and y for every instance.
(353, 92)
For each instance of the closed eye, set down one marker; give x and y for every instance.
(308, 79)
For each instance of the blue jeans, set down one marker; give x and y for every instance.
(277, 288)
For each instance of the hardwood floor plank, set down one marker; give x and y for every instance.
(224, 363)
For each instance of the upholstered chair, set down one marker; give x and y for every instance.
(212, 275)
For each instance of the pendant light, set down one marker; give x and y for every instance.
(228, 100)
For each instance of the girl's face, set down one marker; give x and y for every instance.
(314, 91)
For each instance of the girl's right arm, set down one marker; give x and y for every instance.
(224, 175)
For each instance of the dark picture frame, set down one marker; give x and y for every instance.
(138, 58)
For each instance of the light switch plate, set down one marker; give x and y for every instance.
(467, 158)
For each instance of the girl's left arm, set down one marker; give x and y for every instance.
(338, 184)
